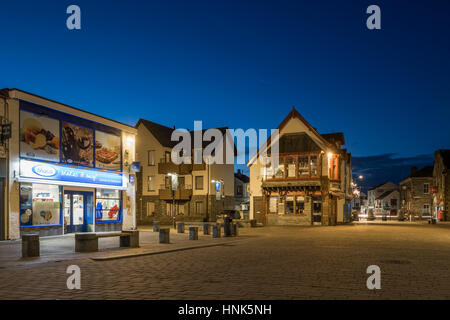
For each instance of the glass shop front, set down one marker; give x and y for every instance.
(70, 177)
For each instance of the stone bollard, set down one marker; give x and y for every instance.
(235, 230)
(206, 228)
(216, 230)
(180, 227)
(131, 241)
(30, 245)
(164, 235)
(193, 233)
(155, 226)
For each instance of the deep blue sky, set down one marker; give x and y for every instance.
(243, 64)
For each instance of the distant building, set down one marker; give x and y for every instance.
(415, 195)
(311, 183)
(189, 192)
(241, 197)
(383, 200)
(441, 185)
(359, 203)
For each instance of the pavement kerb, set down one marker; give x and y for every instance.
(139, 254)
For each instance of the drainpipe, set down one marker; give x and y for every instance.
(5, 98)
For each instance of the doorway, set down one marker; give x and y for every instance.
(78, 211)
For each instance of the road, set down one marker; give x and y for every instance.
(268, 263)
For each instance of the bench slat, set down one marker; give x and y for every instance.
(112, 234)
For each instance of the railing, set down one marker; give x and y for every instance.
(166, 166)
(182, 193)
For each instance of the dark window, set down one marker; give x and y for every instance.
(199, 182)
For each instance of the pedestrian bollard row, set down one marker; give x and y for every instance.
(30, 245)
(234, 230)
(216, 230)
(164, 235)
(193, 233)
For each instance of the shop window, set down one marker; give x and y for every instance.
(299, 205)
(314, 166)
(40, 204)
(334, 167)
(290, 166)
(289, 205)
(303, 168)
(273, 205)
(108, 205)
(279, 173)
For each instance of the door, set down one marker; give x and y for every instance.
(317, 211)
(78, 211)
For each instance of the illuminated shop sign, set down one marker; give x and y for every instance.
(55, 172)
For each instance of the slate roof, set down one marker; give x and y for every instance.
(334, 137)
(445, 154)
(164, 134)
(384, 195)
(243, 177)
(424, 172)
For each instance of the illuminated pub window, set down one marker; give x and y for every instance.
(40, 205)
(108, 205)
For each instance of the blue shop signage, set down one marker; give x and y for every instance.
(55, 172)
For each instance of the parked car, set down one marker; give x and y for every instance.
(233, 214)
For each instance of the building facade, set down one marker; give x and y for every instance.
(310, 185)
(241, 196)
(187, 191)
(415, 194)
(441, 185)
(65, 170)
(383, 200)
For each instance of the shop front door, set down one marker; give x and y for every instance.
(78, 211)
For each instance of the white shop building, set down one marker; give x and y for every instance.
(63, 169)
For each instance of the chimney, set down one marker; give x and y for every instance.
(413, 171)
(239, 171)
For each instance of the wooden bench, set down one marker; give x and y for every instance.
(88, 241)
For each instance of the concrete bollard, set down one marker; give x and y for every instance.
(155, 226)
(180, 227)
(30, 245)
(164, 235)
(131, 241)
(193, 233)
(216, 230)
(206, 228)
(235, 230)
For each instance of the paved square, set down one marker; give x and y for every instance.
(266, 263)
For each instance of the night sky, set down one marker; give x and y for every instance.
(243, 64)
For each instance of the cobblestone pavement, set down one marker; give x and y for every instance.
(269, 263)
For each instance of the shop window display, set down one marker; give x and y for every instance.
(40, 204)
(108, 205)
